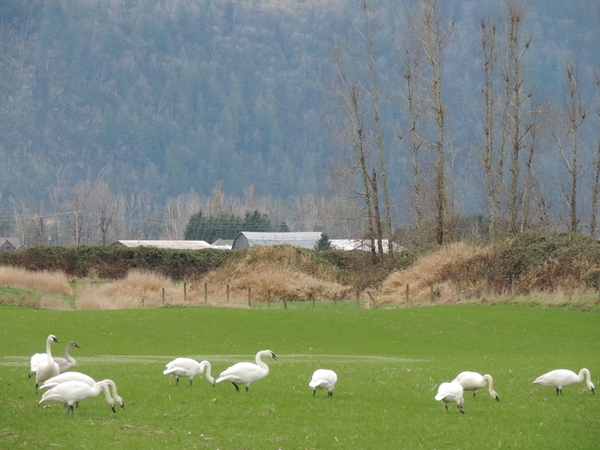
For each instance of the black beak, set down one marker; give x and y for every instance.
(274, 356)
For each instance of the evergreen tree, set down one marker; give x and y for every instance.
(323, 243)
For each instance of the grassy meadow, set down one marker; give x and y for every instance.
(389, 363)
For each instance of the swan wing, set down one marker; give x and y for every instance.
(36, 360)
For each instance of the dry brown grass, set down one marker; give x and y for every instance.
(279, 272)
(423, 273)
(51, 283)
(136, 290)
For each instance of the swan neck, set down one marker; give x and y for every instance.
(490, 382)
(49, 348)
(260, 362)
(209, 377)
(583, 372)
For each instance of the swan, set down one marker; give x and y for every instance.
(323, 379)
(563, 377)
(471, 381)
(68, 361)
(451, 392)
(77, 376)
(64, 364)
(71, 392)
(48, 368)
(247, 373)
(188, 367)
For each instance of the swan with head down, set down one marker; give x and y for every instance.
(73, 392)
(77, 376)
(189, 368)
(472, 381)
(247, 373)
(562, 377)
(451, 393)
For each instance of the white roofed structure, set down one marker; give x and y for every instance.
(176, 245)
(247, 239)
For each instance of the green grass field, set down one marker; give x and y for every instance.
(389, 363)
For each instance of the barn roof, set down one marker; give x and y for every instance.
(178, 245)
(305, 239)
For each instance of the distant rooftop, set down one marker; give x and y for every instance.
(178, 245)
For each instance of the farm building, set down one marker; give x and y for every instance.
(247, 239)
(177, 245)
(223, 244)
(10, 243)
(361, 244)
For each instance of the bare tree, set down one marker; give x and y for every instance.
(105, 206)
(596, 185)
(489, 29)
(569, 148)
(431, 36)
(515, 82)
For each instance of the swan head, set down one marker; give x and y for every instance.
(272, 355)
(53, 339)
(73, 344)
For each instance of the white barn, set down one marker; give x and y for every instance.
(247, 239)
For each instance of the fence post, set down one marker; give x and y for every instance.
(512, 284)
(407, 294)
(357, 301)
(313, 302)
(459, 291)
(284, 302)
(570, 287)
(227, 293)
(184, 291)
(205, 292)
(431, 292)
(250, 297)
(163, 295)
(269, 299)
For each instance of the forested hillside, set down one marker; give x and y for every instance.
(129, 105)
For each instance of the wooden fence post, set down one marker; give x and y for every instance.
(163, 295)
(284, 302)
(313, 302)
(431, 292)
(227, 293)
(269, 299)
(184, 291)
(407, 294)
(250, 297)
(357, 301)
(205, 292)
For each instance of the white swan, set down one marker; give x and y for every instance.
(449, 393)
(68, 361)
(71, 392)
(563, 377)
(64, 364)
(471, 381)
(48, 368)
(188, 367)
(247, 373)
(77, 376)
(323, 379)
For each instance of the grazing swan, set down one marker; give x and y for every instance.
(471, 381)
(451, 392)
(247, 373)
(77, 376)
(563, 377)
(48, 368)
(323, 379)
(64, 364)
(188, 367)
(71, 392)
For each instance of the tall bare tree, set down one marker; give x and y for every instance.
(431, 37)
(519, 128)
(569, 148)
(596, 185)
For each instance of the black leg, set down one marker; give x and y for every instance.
(177, 382)
(236, 386)
(246, 388)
